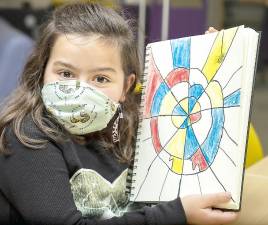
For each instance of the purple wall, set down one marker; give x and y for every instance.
(182, 21)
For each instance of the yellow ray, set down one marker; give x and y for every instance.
(196, 108)
(177, 165)
(168, 104)
(178, 120)
(218, 52)
(214, 92)
(185, 105)
(175, 146)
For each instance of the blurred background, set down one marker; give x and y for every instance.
(155, 20)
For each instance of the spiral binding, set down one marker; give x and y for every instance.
(130, 186)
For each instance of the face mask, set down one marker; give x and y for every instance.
(80, 108)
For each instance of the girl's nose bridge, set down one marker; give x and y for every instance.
(83, 76)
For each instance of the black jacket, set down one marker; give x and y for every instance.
(46, 186)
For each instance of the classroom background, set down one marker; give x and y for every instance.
(155, 20)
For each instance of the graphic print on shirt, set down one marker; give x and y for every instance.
(95, 196)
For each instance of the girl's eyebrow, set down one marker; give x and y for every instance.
(94, 70)
(60, 63)
(102, 69)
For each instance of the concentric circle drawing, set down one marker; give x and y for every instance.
(183, 112)
(188, 102)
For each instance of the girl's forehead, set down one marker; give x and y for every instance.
(85, 51)
(78, 39)
(86, 46)
(87, 40)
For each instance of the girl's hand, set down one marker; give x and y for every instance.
(211, 30)
(198, 209)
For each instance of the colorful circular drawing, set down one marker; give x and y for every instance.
(184, 112)
(188, 131)
(190, 104)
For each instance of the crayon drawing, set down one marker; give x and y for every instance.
(191, 112)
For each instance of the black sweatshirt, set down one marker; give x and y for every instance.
(70, 184)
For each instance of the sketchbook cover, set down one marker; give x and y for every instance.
(194, 116)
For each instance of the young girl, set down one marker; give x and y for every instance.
(67, 133)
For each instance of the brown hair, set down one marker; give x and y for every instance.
(77, 18)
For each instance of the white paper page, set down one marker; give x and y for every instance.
(191, 134)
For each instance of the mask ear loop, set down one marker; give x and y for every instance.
(115, 128)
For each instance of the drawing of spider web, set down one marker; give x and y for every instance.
(187, 110)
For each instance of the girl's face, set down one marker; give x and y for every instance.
(89, 59)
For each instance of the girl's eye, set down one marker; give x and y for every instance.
(101, 79)
(66, 74)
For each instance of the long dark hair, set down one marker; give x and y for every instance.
(77, 18)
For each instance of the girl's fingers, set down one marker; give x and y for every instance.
(221, 217)
(211, 30)
(211, 200)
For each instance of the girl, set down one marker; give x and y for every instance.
(62, 158)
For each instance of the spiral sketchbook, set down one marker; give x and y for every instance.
(194, 117)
